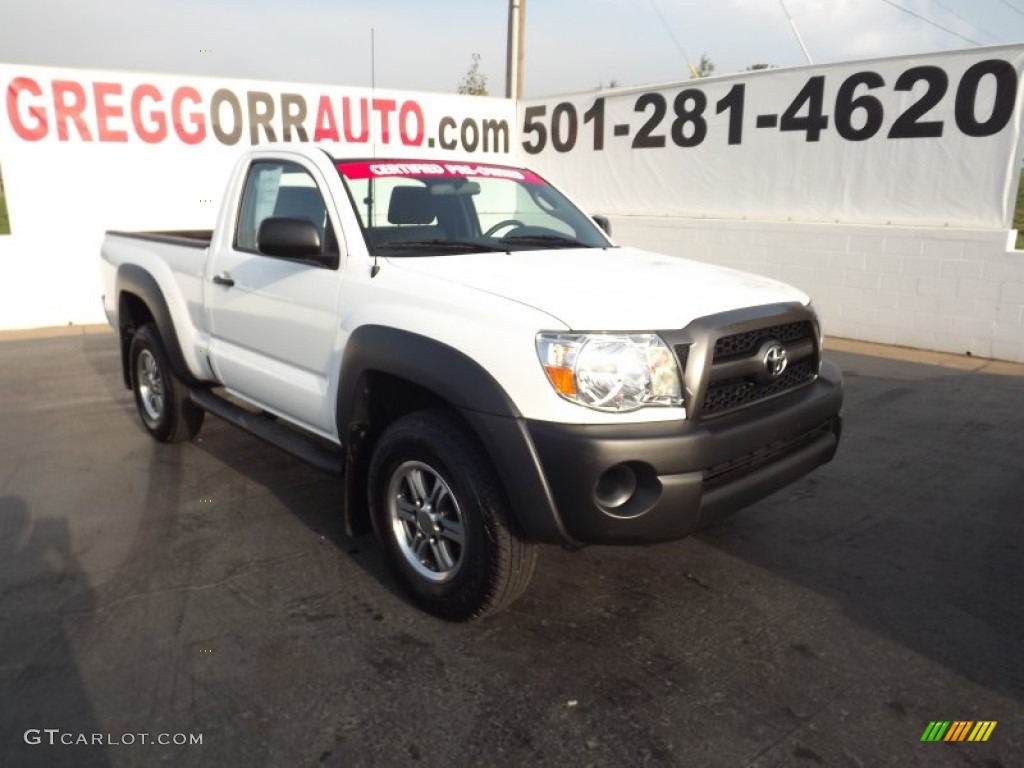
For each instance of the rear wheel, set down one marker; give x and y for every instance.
(162, 401)
(440, 513)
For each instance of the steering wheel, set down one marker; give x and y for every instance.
(505, 223)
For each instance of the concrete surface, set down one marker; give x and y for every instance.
(205, 589)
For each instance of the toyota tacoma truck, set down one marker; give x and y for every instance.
(475, 358)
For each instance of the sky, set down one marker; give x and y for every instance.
(571, 45)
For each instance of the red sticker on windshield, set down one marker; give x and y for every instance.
(375, 169)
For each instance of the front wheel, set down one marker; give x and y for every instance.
(440, 513)
(166, 411)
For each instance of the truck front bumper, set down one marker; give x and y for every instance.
(642, 483)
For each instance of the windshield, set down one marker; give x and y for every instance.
(424, 208)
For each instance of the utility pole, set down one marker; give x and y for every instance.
(516, 49)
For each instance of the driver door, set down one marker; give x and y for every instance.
(274, 320)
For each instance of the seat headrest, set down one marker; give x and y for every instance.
(411, 205)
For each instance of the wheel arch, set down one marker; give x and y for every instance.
(140, 301)
(388, 372)
(432, 365)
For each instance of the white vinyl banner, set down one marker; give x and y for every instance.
(927, 140)
(85, 151)
(931, 140)
(88, 151)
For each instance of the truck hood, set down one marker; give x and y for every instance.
(620, 289)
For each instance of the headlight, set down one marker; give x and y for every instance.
(610, 371)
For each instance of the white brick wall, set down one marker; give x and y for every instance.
(950, 290)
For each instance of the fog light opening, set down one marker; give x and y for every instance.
(615, 487)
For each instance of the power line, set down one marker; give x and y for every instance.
(1012, 7)
(671, 34)
(949, 10)
(934, 24)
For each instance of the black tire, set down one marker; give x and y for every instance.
(458, 576)
(167, 412)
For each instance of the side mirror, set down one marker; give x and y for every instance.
(289, 238)
(603, 223)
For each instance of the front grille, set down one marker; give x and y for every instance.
(682, 355)
(748, 342)
(738, 377)
(735, 393)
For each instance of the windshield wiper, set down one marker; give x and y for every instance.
(554, 241)
(444, 245)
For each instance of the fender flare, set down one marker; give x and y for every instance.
(135, 280)
(469, 388)
(435, 366)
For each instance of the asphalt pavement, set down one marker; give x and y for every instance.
(152, 592)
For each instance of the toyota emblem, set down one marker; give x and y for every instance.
(775, 360)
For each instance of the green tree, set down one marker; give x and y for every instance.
(5, 224)
(706, 68)
(473, 83)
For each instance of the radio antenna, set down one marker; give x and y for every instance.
(373, 138)
(373, 85)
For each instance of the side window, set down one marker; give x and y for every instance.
(275, 188)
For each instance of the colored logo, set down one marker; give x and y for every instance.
(958, 730)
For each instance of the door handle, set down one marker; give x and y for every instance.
(223, 279)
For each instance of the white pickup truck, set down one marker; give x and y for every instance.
(477, 359)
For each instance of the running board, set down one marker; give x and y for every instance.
(268, 429)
